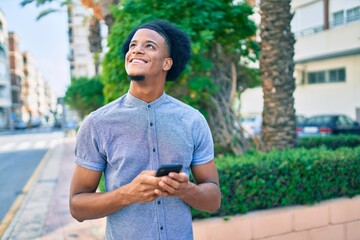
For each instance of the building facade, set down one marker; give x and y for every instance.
(5, 85)
(30, 97)
(327, 56)
(327, 59)
(16, 72)
(80, 58)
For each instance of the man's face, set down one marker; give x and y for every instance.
(148, 55)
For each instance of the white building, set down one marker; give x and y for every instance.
(327, 57)
(5, 84)
(80, 57)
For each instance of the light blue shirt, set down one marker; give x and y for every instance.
(128, 136)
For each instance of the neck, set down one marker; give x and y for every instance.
(145, 92)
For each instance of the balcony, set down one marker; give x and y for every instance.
(341, 39)
(334, 24)
(5, 101)
(4, 82)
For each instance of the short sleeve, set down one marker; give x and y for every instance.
(203, 142)
(88, 148)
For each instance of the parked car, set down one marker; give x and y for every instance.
(328, 124)
(20, 124)
(300, 119)
(251, 125)
(34, 123)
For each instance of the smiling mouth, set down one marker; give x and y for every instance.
(137, 60)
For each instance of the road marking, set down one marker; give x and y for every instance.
(24, 145)
(28, 145)
(40, 144)
(7, 146)
(53, 143)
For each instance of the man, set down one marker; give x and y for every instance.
(131, 137)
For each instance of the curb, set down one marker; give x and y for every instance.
(6, 221)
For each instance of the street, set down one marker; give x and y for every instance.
(20, 154)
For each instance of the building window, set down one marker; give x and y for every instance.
(338, 18)
(337, 75)
(353, 14)
(333, 75)
(316, 77)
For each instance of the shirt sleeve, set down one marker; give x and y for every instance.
(88, 148)
(203, 142)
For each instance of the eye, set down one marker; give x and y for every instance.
(150, 46)
(132, 45)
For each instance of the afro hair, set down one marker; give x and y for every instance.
(177, 41)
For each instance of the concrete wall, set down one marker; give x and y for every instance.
(337, 219)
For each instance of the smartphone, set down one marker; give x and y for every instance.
(164, 170)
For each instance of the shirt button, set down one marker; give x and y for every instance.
(153, 149)
(149, 106)
(161, 228)
(159, 202)
(151, 124)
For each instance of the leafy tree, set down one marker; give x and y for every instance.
(277, 68)
(221, 32)
(85, 95)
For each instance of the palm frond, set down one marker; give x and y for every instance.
(46, 12)
(23, 3)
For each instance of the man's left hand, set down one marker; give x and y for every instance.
(175, 184)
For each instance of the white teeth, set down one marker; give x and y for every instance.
(137, 61)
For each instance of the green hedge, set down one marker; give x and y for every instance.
(331, 142)
(283, 178)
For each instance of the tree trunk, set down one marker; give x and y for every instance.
(105, 8)
(223, 119)
(277, 67)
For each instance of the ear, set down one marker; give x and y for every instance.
(168, 62)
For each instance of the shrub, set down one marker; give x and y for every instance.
(283, 178)
(331, 142)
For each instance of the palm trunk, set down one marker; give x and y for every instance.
(277, 67)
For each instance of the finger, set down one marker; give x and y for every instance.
(171, 182)
(160, 193)
(168, 188)
(148, 173)
(180, 177)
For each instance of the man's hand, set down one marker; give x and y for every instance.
(175, 184)
(142, 188)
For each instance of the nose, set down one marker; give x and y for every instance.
(138, 48)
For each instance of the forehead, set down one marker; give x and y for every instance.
(145, 34)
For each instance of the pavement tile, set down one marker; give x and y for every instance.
(45, 212)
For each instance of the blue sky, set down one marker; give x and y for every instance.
(46, 40)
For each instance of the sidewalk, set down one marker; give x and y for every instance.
(45, 214)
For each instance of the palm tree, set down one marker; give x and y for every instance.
(101, 11)
(277, 67)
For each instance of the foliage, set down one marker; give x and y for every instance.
(331, 142)
(220, 32)
(50, 10)
(85, 95)
(207, 23)
(283, 178)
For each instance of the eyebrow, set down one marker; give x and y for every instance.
(147, 41)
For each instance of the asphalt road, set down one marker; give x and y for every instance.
(20, 154)
(15, 170)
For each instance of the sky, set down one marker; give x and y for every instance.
(46, 40)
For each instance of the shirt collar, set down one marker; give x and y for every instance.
(134, 101)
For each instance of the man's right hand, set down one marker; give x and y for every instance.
(142, 188)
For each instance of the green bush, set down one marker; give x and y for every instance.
(283, 178)
(331, 142)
